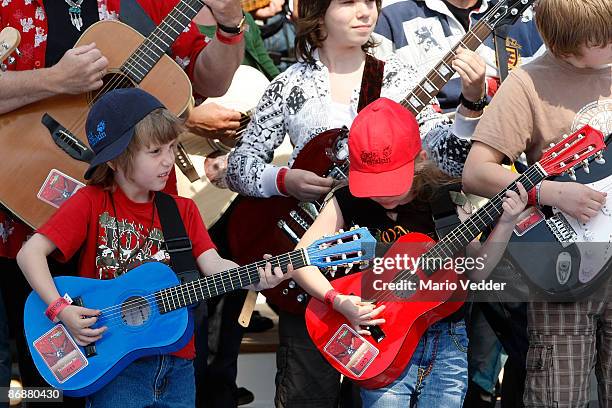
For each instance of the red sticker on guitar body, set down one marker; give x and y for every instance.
(57, 188)
(351, 350)
(60, 353)
(528, 219)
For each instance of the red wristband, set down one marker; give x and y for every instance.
(532, 198)
(330, 296)
(280, 181)
(55, 308)
(234, 39)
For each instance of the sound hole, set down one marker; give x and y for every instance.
(407, 292)
(112, 80)
(135, 311)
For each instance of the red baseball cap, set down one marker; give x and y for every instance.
(384, 141)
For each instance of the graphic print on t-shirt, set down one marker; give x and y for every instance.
(124, 245)
(597, 114)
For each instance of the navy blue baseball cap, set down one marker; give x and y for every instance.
(111, 122)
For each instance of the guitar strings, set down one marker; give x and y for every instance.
(193, 290)
(387, 295)
(130, 64)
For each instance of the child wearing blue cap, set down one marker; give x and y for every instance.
(114, 224)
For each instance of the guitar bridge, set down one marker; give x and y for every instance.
(562, 230)
(66, 141)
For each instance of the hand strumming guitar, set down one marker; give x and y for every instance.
(80, 70)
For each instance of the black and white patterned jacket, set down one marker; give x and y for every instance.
(298, 103)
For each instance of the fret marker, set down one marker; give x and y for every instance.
(415, 102)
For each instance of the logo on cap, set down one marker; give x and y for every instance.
(95, 138)
(377, 157)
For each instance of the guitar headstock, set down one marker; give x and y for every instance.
(507, 12)
(9, 40)
(343, 248)
(573, 151)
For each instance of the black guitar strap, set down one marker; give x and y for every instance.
(176, 240)
(371, 81)
(133, 15)
(444, 209)
(501, 53)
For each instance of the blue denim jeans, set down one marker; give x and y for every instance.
(436, 376)
(158, 381)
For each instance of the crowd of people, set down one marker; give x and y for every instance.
(333, 64)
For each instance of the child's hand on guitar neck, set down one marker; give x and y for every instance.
(269, 278)
(513, 205)
(574, 199)
(358, 312)
(78, 320)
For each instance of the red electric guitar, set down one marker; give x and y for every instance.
(375, 361)
(281, 221)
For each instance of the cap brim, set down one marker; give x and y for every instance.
(386, 184)
(110, 152)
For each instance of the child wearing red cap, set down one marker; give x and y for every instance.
(390, 183)
(114, 224)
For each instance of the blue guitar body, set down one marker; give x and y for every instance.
(142, 331)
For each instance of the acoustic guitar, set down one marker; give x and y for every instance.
(146, 312)
(49, 135)
(425, 294)
(281, 221)
(9, 40)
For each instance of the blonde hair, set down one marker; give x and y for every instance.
(568, 25)
(157, 128)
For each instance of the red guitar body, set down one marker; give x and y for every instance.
(406, 318)
(254, 221)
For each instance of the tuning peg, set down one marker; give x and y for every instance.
(564, 136)
(359, 254)
(355, 237)
(572, 174)
(328, 259)
(18, 52)
(3, 67)
(341, 230)
(349, 266)
(11, 60)
(585, 166)
(343, 256)
(599, 158)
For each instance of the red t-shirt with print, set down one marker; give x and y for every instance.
(113, 242)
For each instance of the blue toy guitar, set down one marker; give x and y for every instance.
(146, 312)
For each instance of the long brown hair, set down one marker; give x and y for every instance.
(428, 178)
(157, 128)
(309, 36)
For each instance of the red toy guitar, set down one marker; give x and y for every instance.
(377, 360)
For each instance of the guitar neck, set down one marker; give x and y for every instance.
(250, 5)
(192, 292)
(469, 229)
(439, 76)
(159, 41)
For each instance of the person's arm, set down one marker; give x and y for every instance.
(217, 62)
(80, 70)
(254, 153)
(210, 263)
(494, 247)
(32, 260)
(484, 175)
(357, 312)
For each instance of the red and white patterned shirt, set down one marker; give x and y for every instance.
(29, 17)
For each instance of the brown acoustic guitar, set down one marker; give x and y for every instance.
(49, 135)
(261, 224)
